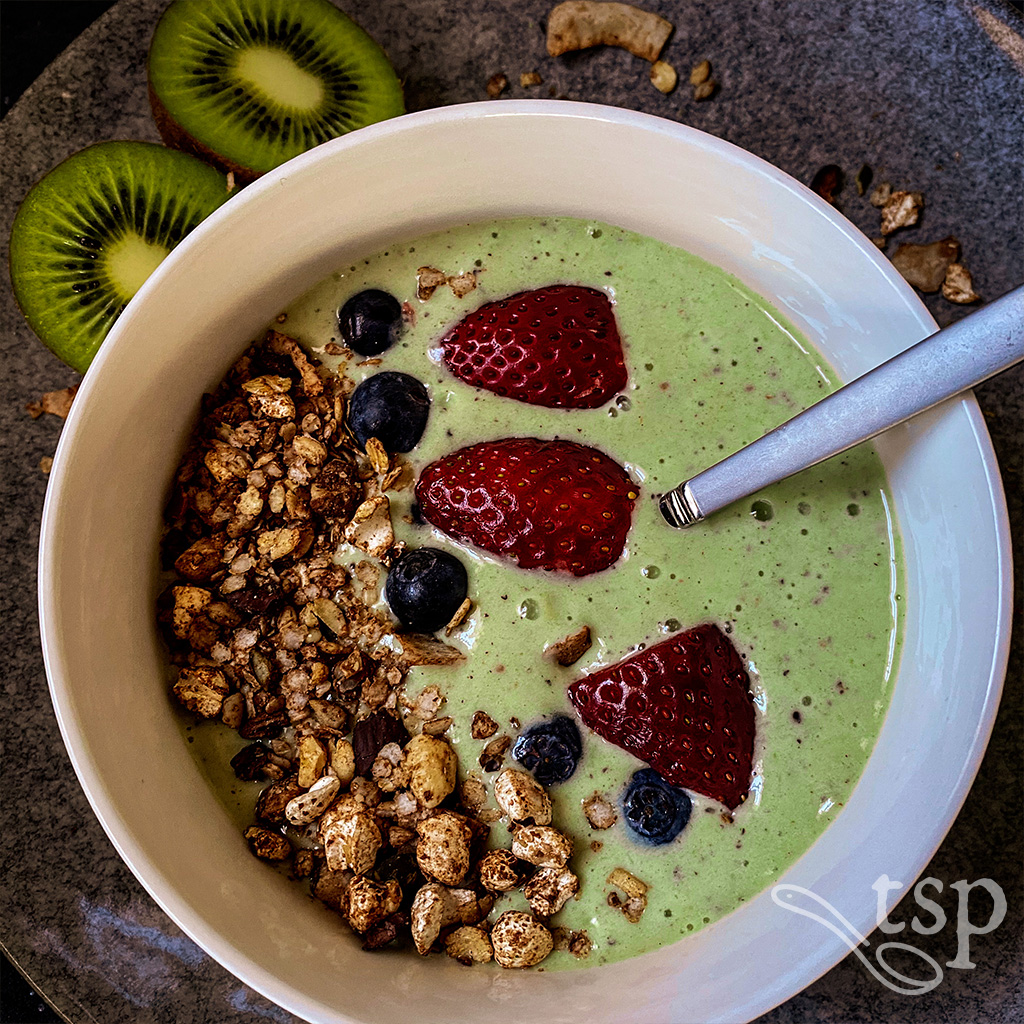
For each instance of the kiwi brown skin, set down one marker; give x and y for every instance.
(176, 137)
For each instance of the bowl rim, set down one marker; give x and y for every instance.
(118, 829)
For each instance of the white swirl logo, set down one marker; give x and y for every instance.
(798, 900)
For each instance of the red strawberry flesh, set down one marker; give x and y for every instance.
(683, 706)
(557, 346)
(553, 505)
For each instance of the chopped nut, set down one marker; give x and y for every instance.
(389, 770)
(925, 266)
(499, 871)
(550, 889)
(635, 890)
(275, 544)
(483, 726)
(901, 211)
(663, 76)
(330, 615)
(520, 940)
(419, 649)
(705, 90)
(343, 762)
(370, 529)
(432, 764)
(272, 803)
(492, 757)
(368, 902)
(285, 346)
(466, 907)
(456, 620)
(331, 887)
(202, 690)
(442, 851)
(188, 603)
(226, 463)
(522, 798)
(377, 455)
(386, 931)
(541, 845)
(201, 559)
(469, 945)
(351, 840)
(267, 845)
(232, 712)
(571, 648)
(462, 284)
(880, 196)
(428, 280)
(307, 807)
(45, 465)
(56, 403)
(580, 24)
(580, 945)
(427, 704)
(496, 85)
(312, 761)
(528, 78)
(438, 726)
(700, 73)
(600, 812)
(958, 286)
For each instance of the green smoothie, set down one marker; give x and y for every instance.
(805, 577)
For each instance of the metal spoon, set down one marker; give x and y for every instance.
(950, 361)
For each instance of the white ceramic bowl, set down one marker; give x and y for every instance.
(401, 178)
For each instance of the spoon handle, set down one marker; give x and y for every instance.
(950, 361)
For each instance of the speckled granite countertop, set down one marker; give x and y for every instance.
(929, 95)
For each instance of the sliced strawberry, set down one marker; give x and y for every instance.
(683, 706)
(558, 347)
(552, 505)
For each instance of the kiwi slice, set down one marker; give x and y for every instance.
(89, 234)
(248, 84)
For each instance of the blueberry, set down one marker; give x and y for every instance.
(425, 588)
(391, 407)
(550, 749)
(370, 321)
(655, 810)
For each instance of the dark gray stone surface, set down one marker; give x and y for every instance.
(918, 91)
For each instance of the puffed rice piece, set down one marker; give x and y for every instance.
(307, 807)
(499, 870)
(541, 845)
(522, 798)
(367, 902)
(550, 889)
(469, 945)
(520, 940)
(351, 841)
(442, 851)
(426, 916)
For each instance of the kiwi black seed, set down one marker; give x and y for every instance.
(249, 84)
(92, 230)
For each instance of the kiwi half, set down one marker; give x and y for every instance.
(249, 84)
(89, 234)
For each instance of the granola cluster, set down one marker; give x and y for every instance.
(278, 530)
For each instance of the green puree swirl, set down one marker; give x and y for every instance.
(806, 576)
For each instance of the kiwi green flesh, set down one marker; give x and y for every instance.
(91, 231)
(257, 82)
